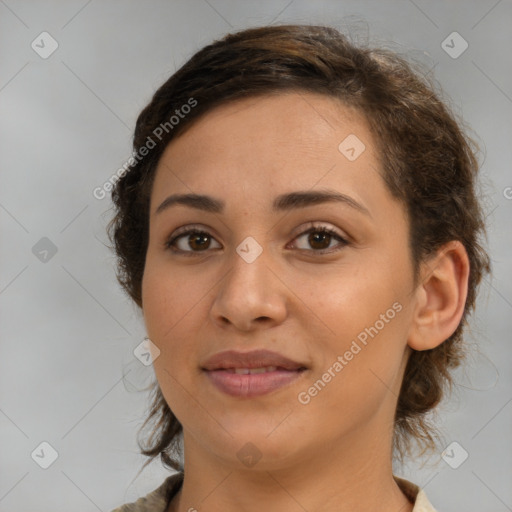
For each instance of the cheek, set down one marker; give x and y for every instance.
(358, 377)
(155, 301)
(169, 320)
(175, 311)
(351, 301)
(365, 311)
(165, 302)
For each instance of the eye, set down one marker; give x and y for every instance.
(319, 238)
(198, 241)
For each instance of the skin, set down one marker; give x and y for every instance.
(333, 453)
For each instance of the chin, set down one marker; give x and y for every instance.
(256, 449)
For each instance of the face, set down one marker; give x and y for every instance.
(326, 284)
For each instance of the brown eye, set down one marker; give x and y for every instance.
(194, 241)
(320, 238)
(199, 241)
(191, 241)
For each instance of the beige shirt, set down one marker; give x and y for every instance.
(159, 499)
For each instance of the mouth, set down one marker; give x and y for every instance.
(251, 382)
(251, 371)
(250, 374)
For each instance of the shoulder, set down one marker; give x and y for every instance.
(157, 500)
(415, 495)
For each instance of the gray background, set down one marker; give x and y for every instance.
(68, 332)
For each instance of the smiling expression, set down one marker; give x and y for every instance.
(264, 235)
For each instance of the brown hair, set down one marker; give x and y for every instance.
(428, 163)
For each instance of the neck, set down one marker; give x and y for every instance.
(357, 477)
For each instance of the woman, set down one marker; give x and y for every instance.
(300, 228)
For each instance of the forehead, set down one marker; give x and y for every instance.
(271, 144)
(287, 118)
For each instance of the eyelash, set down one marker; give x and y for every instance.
(169, 244)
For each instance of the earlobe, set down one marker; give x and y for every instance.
(440, 297)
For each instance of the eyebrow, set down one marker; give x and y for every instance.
(284, 202)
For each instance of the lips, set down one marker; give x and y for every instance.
(250, 374)
(232, 359)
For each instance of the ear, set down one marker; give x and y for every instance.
(440, 297)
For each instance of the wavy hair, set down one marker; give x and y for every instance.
(428, 163)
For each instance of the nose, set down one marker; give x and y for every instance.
(250, 295)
